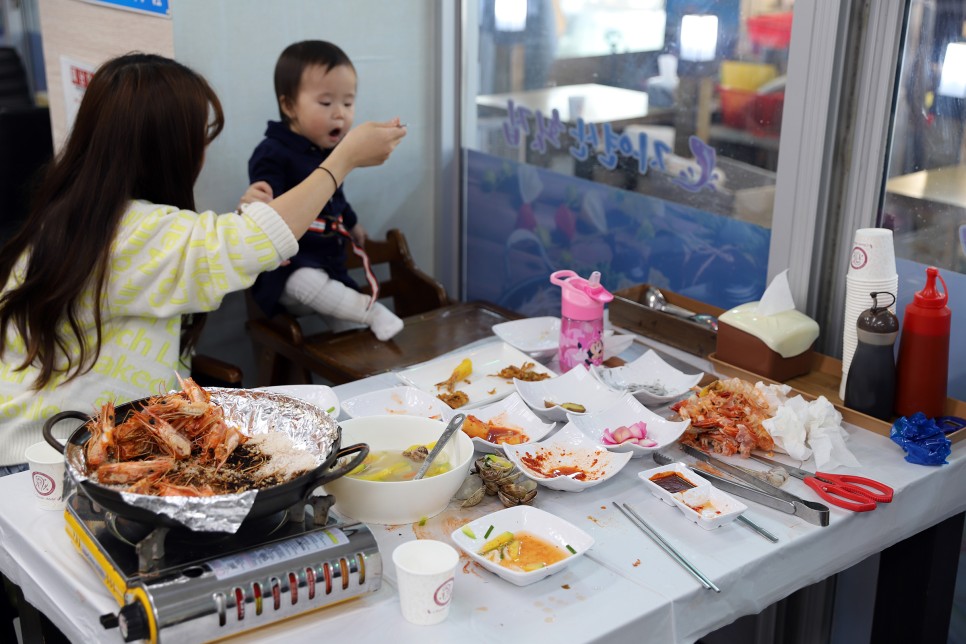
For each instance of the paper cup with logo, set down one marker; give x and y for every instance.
(873, 254)
(46, 474)
(425, 573)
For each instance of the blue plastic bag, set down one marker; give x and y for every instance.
(922, 439)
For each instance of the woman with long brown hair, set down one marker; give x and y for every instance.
(113, 254)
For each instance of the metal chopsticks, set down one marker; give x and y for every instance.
(634, 518)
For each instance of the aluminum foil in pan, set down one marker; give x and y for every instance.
(254, 412)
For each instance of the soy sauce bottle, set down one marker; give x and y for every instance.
(923, 364)
(871, 384)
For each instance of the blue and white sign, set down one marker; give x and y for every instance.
(153, 7)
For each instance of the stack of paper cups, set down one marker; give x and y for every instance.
(872, 269)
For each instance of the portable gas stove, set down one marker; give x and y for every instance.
(183, 586)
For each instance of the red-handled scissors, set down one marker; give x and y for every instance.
(855, 493)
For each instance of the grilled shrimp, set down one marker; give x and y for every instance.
(168, 437)
(100, 445)
(132, 471)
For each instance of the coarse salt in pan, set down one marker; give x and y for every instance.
(287, 459)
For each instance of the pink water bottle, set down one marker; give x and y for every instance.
(581, 318)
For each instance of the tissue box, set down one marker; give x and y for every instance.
(777, 346)
(747, 352)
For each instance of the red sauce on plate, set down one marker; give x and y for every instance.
(538, 463)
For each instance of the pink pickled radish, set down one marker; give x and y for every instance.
(635, 433)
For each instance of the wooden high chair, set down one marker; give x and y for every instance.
(285, 355)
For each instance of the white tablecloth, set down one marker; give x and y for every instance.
(624, 589)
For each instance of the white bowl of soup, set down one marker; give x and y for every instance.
(381, 490)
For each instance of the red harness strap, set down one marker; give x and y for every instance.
(366, 266)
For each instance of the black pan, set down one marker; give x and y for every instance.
(268, 500)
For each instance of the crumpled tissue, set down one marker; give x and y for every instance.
(922, 439)
(803, 429)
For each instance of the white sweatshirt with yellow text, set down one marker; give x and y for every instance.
(165, 262)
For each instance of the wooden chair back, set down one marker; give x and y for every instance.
(279, 340)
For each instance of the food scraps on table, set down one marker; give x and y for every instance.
(461, 372)
(523, 552)
(455, 399)
(179, 444)
(393, 465)
(577, 408)
(523, 372)
(635, 433)
(726, 417)
(494, 430)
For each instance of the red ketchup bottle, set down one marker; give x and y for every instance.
(923, 364)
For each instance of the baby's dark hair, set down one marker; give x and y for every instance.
(293, 61)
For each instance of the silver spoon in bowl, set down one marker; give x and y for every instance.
(454, 424)
(654, 299)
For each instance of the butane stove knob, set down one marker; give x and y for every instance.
(109, 621)
(133, 622)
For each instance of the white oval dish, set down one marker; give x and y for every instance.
(482, 386)
(523, 518)
(718, 508)
(575, 386)
(509, 412)
(397, 401)
(569, 447)
(629, 410)
(537, 337)
(648, 378)
(321, 396)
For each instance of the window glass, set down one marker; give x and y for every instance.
(924, 200)
(639, 138)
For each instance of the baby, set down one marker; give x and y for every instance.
(315, 83)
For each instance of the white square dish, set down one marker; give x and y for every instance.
(710, 508)
(512, 413)
(703, 504)
(649, 379)
(537, 337)
(523, 518)
(321, 396)
(482, 386)
(575, 386)
(681, 470)
(581, 462)
(627, 411)
(397, 401)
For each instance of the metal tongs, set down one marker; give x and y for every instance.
(759, 491)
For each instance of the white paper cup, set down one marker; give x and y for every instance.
(425, 573)
(873, 255)
(46, 475)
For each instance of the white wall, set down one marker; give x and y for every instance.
(235, 43)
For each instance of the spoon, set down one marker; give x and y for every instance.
(454, 424)
(654, 299)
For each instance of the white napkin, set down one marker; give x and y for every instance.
(777, 297)
(804, 429)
